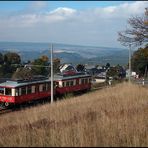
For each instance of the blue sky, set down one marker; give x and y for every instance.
(20, 5)
(94, 23)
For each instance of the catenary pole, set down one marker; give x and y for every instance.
(51, 73)
(129, 63)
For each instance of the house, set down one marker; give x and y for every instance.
(67, 69)
(133, 74)
(95, 71)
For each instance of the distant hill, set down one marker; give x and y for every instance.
(68, 53)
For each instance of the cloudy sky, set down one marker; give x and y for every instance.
(94, 23)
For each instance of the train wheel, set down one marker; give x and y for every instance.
(6, 104)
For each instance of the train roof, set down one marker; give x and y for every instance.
(66, 77)
(13, 84)
(20, 83)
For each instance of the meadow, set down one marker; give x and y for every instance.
(114, 116)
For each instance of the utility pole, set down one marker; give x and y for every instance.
(51, 73)
(129, 63)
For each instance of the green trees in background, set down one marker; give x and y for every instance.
(12, 58)
(116, 72)
(9, 62)
(40, 66)
(140, 61)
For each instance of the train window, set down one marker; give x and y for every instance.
(36, 88)
(86, 81)
(63, 84)
(44, 87)
(82, 81)
(20, 92)
(56, 84)
(74, 82)
(23, 90)
(8, 91)
(77, 82)
(33, 89)
(67, 83)
(48, 86)
(71, 83)
(89, 80)
(1, 91)
(29, 90)
(16, 92)
(41, 87)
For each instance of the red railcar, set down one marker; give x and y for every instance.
(15, 92)
(73, 83)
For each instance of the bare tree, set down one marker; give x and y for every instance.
(137, 34)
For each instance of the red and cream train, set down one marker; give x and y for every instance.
(17, 92)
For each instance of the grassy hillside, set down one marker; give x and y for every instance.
(116, 116)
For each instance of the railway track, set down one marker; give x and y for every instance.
(4, 111)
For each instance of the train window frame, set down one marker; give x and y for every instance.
(8, 91)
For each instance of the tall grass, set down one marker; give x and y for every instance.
(116, 116)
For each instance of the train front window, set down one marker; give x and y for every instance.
(1, 91)
(8, 91)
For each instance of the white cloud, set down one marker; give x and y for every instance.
(63, 11)
(37, 5)
(96, 26)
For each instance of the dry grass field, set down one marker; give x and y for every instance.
(115, 116)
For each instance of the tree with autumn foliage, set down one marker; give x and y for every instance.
(56, 64)
(44, 58)
(137, 33)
